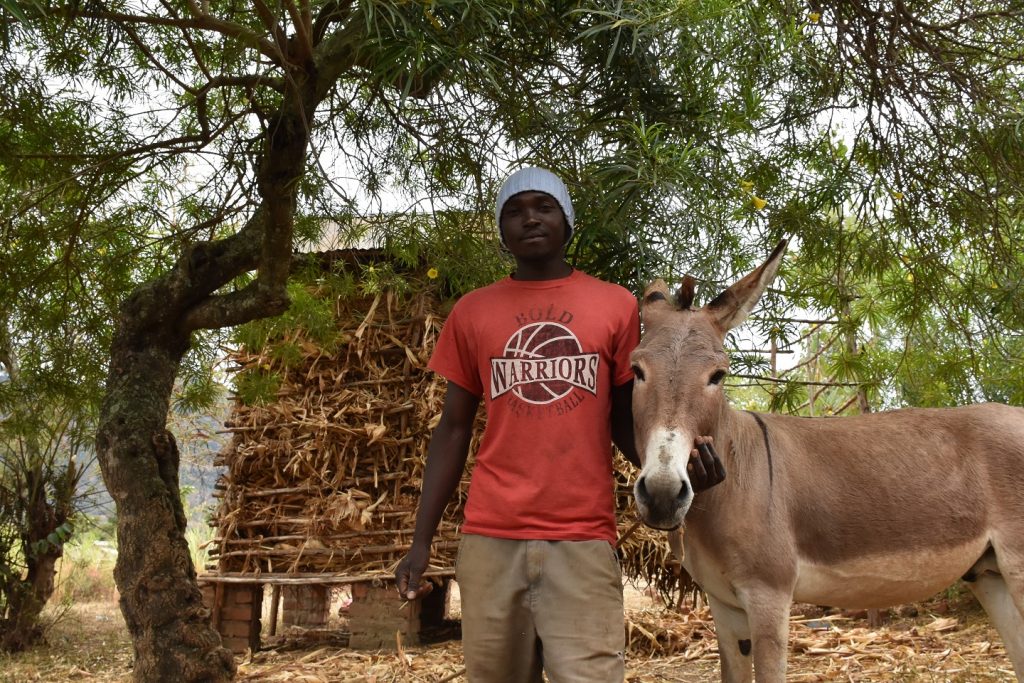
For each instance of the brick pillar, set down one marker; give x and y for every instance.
(377, 614)
(307, 606)
(238, 617)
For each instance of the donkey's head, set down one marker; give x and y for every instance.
(680, 365)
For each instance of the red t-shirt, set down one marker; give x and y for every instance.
(544, 357)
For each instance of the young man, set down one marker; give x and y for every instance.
(547, 349)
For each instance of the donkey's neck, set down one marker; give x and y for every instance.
(743, 442)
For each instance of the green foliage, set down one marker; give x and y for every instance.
(199, 537)
(380, 277)
(87, 565)
(257, 386)
(461, 246)
(54, 540)
(692, 135)
(198, 389)
(311, 313)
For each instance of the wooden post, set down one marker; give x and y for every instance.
(275, 601)
(218, 604)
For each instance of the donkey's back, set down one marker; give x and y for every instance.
(938, 458)
(891, 507)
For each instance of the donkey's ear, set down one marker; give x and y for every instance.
(656, 294)
(655, 302)
(731, 307)
(684, 297)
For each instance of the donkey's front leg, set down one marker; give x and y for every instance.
(733, 631)
(768, 614)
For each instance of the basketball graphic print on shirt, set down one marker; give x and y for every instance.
(542, 363)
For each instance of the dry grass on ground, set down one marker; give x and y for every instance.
(87, 642)
(948, 641)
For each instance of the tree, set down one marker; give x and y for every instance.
(52, 326)
(39, 476)
(221, 134)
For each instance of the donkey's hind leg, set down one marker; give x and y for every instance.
(1002, 600)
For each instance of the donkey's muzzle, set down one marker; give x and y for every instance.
(662, 501)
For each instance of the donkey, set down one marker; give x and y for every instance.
(863, 511)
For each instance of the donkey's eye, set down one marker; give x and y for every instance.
(717, 377)
(638, 373)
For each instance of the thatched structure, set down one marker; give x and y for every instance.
(324, 481)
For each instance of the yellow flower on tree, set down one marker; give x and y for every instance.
(897, 196)
(747, 185)
(759, 203)
(432, 273)
(814, 17)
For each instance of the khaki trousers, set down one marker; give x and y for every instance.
(529, 606)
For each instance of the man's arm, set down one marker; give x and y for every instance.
(704, 468)
(622, 422)
(446, 459)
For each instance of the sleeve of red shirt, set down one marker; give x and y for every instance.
(454, 356)
(626, 338)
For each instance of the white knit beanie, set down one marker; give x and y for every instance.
(535, 179)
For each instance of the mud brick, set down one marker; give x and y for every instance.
(381, 606)
(239, 646)
(377, 614)
(380, 640)
(209, 592)
(237, 629)
(306, 606)
(378, 621)
(237, 613)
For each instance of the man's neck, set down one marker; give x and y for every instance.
(542, 270)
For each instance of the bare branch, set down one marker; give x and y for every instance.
(332, 12)
(133, 35)
(245, 80)
(203, 22)
(6, 354)
(303, 41)
(779, 380)
(270, 22)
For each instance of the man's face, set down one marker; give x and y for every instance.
(533, 225)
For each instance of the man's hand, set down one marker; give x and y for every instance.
(409, 574)
(705, 468)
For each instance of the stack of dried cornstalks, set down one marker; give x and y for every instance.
(327, 478)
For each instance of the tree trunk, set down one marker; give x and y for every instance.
(170, 629)
(47, 503)
(26, 604)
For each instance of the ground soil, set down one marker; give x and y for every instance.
(947, 639)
